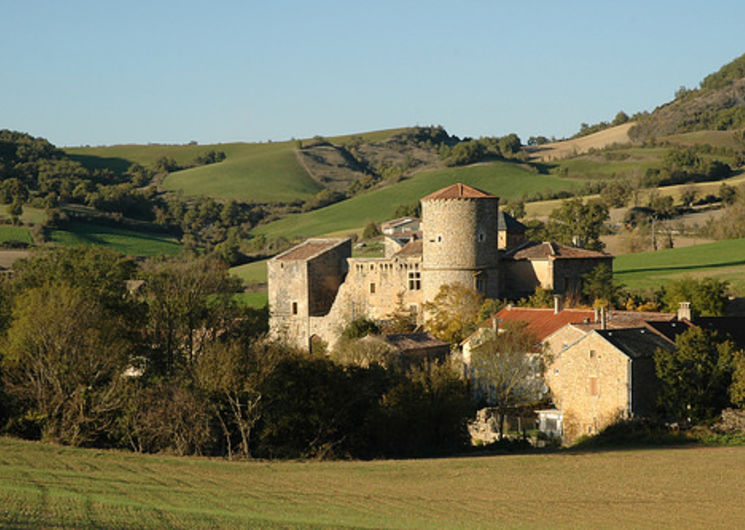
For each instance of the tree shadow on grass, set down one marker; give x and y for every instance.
(115, 164)
(685, 267)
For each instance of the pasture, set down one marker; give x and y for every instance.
(15, 233)
(52, 486)
(724, 260)
(507, 180)
(125, 241)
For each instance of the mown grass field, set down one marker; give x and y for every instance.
(258, 299)
(504, 179)
(51, 486)
(125, 241)
(254, 272)
(724, 260)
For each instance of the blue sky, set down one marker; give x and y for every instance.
(97, 72)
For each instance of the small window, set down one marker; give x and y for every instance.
(556, 371)
(482, 237)
(294, 308)
(415, 280)
(372, 288)
(592, 354)
(439, 238)
(480, 285)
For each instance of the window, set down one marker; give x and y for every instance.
(415, 280)
(482, 237)
(372, 288)
(294, 308)
(439, 238)
(593, 387)
(480, 285)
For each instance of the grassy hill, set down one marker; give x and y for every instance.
(504, 179)
(126, 241)
(724, 260)
(52, 486)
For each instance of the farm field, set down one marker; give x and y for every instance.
(507, 180)
(254, 272)
(125, 241)
(51, 486)
(258, 299)
(724, 260)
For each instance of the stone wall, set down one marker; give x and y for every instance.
(589, 382)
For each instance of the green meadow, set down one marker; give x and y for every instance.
(724, 260)
(15, 233)
(52, 486)
(125, 241)
(254, 272)
(507, 180)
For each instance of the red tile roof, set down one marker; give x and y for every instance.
(549, 249)
(459, 191)
(412, 248)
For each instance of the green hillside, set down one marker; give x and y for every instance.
(507, 180)
(45, 486)
(724, 260)
(125, 241)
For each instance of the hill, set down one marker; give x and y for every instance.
(599, 140)
(52, 486)
(718, 104)
(724, 260)
(505, 179)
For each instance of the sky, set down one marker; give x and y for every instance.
(104, 72)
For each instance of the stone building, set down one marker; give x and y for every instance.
(316, 288)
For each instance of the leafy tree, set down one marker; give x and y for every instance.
(454, 312)
(695, 376)
(16, 211)
(620, 118)
(371, 231)
(708, 296)
(233, 372)
(600, 286)
(63, 361)
(360, 327)
(401, 319)
(616, 194)
(728, 194)
(516, 208)
(577, 218)
(540, 298)
(688, 196)
(510, 144)
(184, 297)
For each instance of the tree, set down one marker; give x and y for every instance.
(453, 313)
(233, 372)
(360, 327)
(708, 296)
(510, 144)
(64, 356)
(371, 231)
(188, 302)
(402, 319)
(515, 208)
(620, 118)
(600, 286)
(507, 370)
(577, 218)
(16, 211)
(616, 193)
(695, 376)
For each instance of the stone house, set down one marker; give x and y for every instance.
(316, 288)
(605, 375)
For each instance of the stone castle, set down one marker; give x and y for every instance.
(316, 288)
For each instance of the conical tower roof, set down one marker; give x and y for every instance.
(459, 191)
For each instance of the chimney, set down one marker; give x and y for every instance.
(494, 325)
(597, 315)
(684, 311)
(577, 242)
(557, 304)
(603, 319)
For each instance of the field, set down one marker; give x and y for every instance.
(598, 140)
(724, 260)
(15, 233)
(125, 241)
(504, 179)
(257, 299)
(254, 272)
(44, 486)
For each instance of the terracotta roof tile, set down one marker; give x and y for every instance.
(459, 191)
(412, 248)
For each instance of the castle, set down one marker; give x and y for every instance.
(316, 287)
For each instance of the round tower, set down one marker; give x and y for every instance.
(459, 240)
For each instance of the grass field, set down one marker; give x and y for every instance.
(724, 260)
(15, 233)
(504, 179)
(125, 241)
(254, 272)
(257, 299)
(51, 486)
(30, 215)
